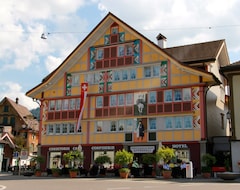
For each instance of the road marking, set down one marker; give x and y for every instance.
(118, 188)
(190, 184)
(2, 187)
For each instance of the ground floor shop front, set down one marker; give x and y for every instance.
(187, 151)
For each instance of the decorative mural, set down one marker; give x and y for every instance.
(140, 104)
(68, 84)
(92, 58)
(196, 107)
(105, 81)
(163, 74)
(136, 51)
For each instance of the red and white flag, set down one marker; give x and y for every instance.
(84, 88)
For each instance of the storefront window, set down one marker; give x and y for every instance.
(108, 153)
(55, 159)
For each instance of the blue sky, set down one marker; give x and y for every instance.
(25, 58)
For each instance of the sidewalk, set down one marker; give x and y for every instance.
(197, 179)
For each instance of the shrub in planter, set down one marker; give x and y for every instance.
(123, 158)
(38, 160)
(208, 160)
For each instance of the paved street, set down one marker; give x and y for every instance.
(10, 182)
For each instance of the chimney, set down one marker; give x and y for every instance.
(162, 40)
(16, 100)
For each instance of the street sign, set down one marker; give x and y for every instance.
(24, 155)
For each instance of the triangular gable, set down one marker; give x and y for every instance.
(7, 138)
(98, 32)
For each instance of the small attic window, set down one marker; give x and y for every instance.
(114, 28)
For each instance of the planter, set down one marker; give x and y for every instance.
(73, 174)
(206, 175)
(124, 175)
(167, 174)
(38, 173)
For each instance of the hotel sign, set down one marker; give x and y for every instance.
(179, 146)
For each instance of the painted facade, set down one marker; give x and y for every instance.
(130, 80)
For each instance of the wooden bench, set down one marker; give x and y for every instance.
(217, 169)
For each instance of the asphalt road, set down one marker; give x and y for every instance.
(9, 182)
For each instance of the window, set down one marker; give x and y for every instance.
(99, 126)
(6, 108)
(58, 105)
(152, 97)
(117, 75)
(152, 124)
(178, 122)
(99, 54)
(96, 78)
(77, 103)
(5, 120)
(72, 104)
(12, 121)
(64, 128)
(71, 128)
(168, 95)
(187, 94)
(124, 74)
(99, 102)
(129, 50)
(52, 105)
(129, 99)
(65, 104)
(132, 74)
(121, 124)
(114, 30)
(58, 129)
(121, 100)
(120, 51)
(177, 95)
(188, 122)
(50, 129)
(113, 100)
(129, 125)
(147, 72)
(75, 80)
(168, 122)
(156, 71)
(113, 126)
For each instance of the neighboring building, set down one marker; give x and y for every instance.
(125, 79)
(16, 120)
(232, 73)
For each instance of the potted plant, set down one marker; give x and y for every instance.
(101, 160)
(73, 158)
(123, 158)
(37, 160)
(56, 172)
(208, 161)
(149, 161)
(165, 154)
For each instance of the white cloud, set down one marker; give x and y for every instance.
(52, 63)
(13, 91)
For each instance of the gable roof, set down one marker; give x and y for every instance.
(6, 139)
(92, 37)
(24, 114)
(197, 53)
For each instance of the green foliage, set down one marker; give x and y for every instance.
(165, 153)
(38, 160)
(56, 170)
(149, 159)
(124, 170)
(73, 156)
(206, 169)
(102, 159)
(123, 157)
(208, 160)
(20, 143)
